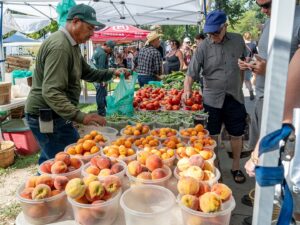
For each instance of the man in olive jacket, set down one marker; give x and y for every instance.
(56, 87)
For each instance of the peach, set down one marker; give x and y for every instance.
(98, 211)
(193, 171)
(111, 184)
(75, 188)
(142, 156)
(46, 166)
(95, 191)
(145, 176)
(196, 160)
(44, 179)
(183, 164)
(36, 211)
(89, 178)
(55, 192)
(82, 200)
(94, 160)
(190, 151)
(76, 163)
(41, 191)
(103, 162)
(59, 167)
(116, 168)
(153, 162)
(31, 182)
(84, 217)
(63, 156)
(106, 196)
(60, 182)
(222, 190)
(92, 170)
(190, 201)
(188, 185)
(206, 154)
(134, 168)
(203, 188)
(105, 172)
(210, 202)
(27, 192)
(208, 175)
(158, 173)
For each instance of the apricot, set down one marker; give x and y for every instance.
(210, 202)
(158, 173)
(188, 185)
(206, 154)
(116, 168)
(134, 168)
(89, 178)
(88, 144)
(88, 137)
(76, 163)
(94, 133)
(94, 149)
(92, 170)
(145, 176)
(27, 192)
(59, 167)
(222, 190)
(95, 191)
(41, 191)
(79, 149)
(60, 182)
(30, 183)
(153, 162)
(104, 173)
(46, 167)
(63, 156)
(190, 201)
(111, 184)
(75, 188)
(44, 179)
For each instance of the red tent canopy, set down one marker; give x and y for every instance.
(120, 34)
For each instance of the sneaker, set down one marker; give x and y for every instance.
(251, 95)
(247, 220)
(246, 200)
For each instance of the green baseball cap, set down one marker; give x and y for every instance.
(110, 44)
(85, 13)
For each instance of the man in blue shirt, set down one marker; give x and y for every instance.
(100, 60)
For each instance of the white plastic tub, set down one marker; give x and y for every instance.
(147, 205)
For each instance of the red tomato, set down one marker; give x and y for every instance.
(195, 107)
(175, 107)
(189, 102)
(175, 101)
(168, 107)
(149, 106)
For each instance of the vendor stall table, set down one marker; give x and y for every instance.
(15, 103)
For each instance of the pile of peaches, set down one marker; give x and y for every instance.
(125, 141)
(149, 141)
(188, 151)
(200, 196)
(62, 163)
(197, 131)
(103, 166)
(153, 169)
(195, 167)
(173, 142)
(201, 143)
(120, 152)
(137, 130)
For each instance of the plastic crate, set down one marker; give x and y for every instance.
(16, 131)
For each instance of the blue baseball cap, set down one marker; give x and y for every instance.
(214, 20)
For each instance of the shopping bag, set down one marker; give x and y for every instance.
(121, 101)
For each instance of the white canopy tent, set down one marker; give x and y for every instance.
(130, 12)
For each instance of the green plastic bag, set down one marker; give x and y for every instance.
(156, 83)
(18, 74)
(121, 102)
(62, 10)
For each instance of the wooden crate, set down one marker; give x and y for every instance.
(17, 62)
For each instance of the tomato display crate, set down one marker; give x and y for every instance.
(15, 130)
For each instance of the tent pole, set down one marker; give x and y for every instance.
(2, 64)
(281, 28)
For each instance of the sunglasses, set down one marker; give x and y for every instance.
(267, 5)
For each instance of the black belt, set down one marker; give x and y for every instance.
(54, 115)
